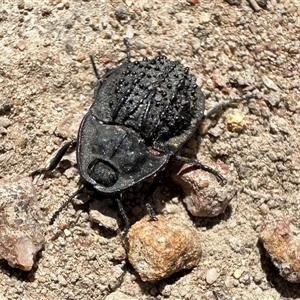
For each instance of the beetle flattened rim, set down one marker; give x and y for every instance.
(79, 140)
(112, 190)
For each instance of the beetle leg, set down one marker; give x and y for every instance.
(151, 212)
(127, 45)
(152, 188)
(65, 204)
(215, 295)
(206, 168)
(56, 159)
(94, 67)
(124, 216)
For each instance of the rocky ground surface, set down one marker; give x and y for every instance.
(46, 84)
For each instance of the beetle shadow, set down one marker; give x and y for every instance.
(135, 207)
(210, 222)
(285, 288)
(104, 232)
(154, 289)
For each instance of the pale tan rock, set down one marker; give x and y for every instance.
(101, 214)
(283, 247)
(157, 249)
(21, 236)
(204, 196)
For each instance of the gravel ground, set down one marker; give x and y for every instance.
(47, 82)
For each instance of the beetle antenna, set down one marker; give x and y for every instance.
(65, 204)
(223, 105)
(94, 67)
(127, 45)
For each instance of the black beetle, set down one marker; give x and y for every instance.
(143, 112)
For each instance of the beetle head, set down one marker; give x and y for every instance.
(103, 173)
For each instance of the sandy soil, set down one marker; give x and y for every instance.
(46, 83)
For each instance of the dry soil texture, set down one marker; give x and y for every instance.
(46, 84)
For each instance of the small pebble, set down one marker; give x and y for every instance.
(212, 275)
(101, 214)
(121, 12)
(264, 209)
(237, 273)
(147, 6)
(195, 43)
(60, 6)
(61, 279)
(129, 32)
(5, 122)
(235, 121)
(21, 45)
(67, 232)
(269, 83)
(81, 57)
